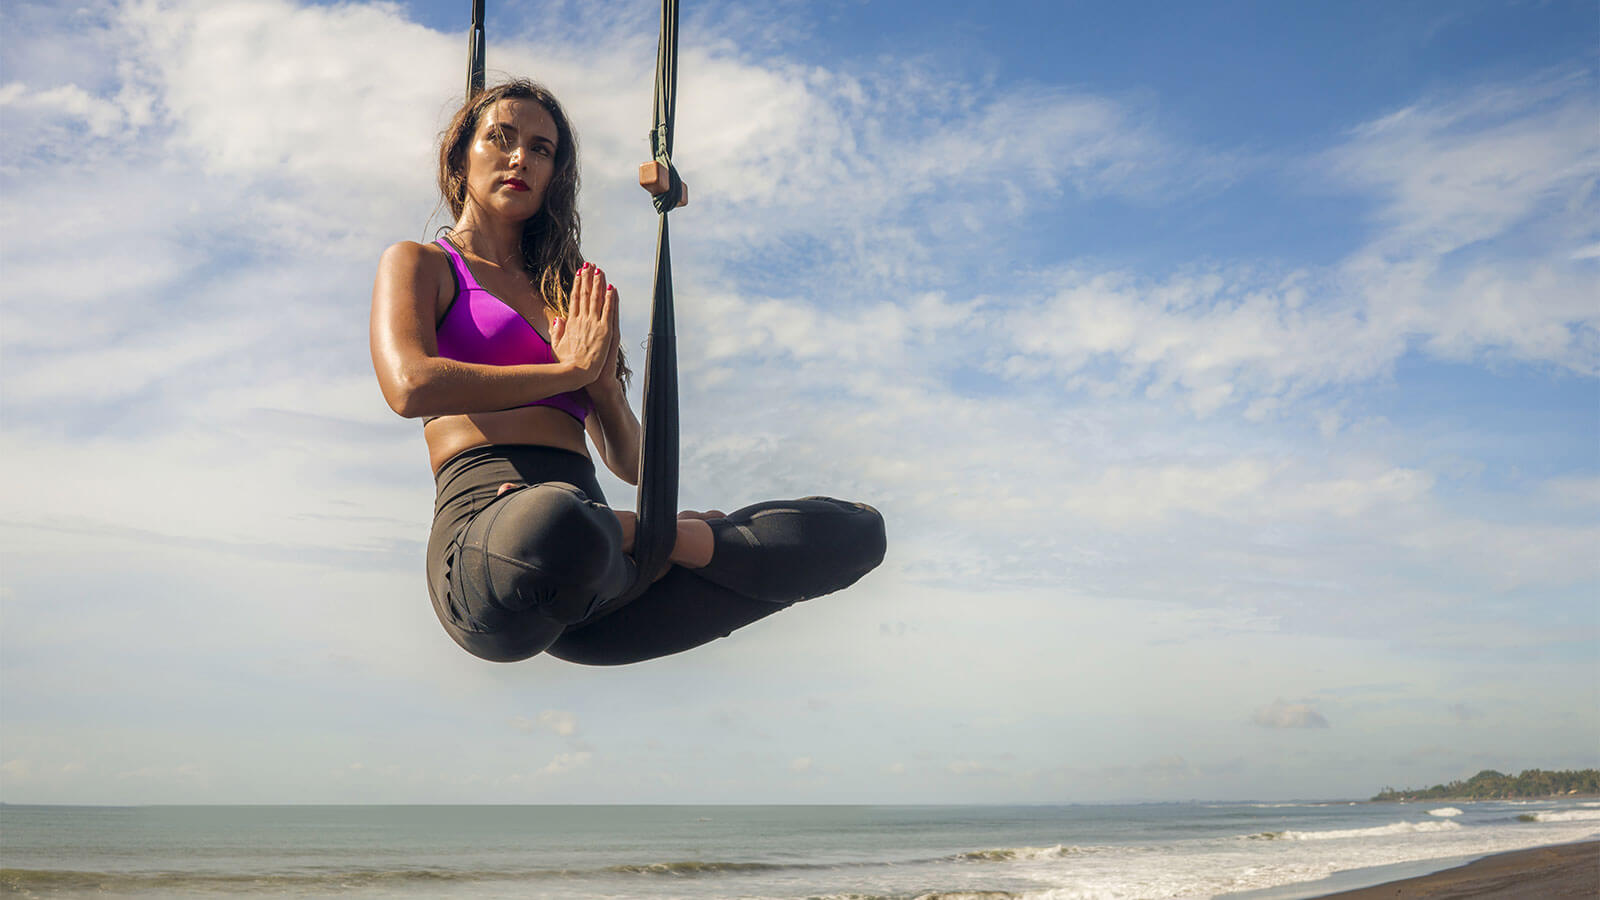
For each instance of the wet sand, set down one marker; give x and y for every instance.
(1565, 870)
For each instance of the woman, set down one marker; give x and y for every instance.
(506, 343)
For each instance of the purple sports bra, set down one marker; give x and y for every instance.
(479, 327)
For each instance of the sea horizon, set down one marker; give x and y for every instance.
(789, 851)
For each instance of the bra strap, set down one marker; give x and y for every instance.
(459, 263)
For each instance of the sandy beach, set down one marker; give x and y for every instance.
(1566, 870)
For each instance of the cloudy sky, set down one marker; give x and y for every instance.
(1227, 375)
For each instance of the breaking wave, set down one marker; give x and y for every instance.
(1565, 815)
(1012, 854)
(698, 867)
(1445, 812)
(1339, 834)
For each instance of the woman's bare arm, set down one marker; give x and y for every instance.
(417, 381)
(613, 428)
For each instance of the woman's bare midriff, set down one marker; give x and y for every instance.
(548, 427)
(541, 425)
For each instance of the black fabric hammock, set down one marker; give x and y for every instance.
(658, 459)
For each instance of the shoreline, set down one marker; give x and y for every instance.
(1553, 870)
(1404, 800)
(1557, 870)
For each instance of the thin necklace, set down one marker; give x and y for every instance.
(451, 237)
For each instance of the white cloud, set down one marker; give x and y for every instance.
(1282, 714)
(836, 152)
(1216, 338)
(1509, 556)
(1578, 491)
(102, 117)
(1484, 175)
(1469, 168)
(235, 81)
(566, 763)
(559, 721)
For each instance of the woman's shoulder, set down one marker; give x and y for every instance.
(420, 270)
(409, 261)
(410, 254)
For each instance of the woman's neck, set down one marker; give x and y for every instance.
(498, 242)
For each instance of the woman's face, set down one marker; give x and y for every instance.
(512, 158)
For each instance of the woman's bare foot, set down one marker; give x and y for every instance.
(696, 542)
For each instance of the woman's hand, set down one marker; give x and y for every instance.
(613, 428)
(607, 381)
(587, 338)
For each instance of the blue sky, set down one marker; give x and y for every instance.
(1227, 374)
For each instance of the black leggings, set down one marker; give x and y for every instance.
(539, 568)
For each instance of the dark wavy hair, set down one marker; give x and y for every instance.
(550, 240)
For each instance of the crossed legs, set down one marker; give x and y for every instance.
(695, 544)
(536, 572)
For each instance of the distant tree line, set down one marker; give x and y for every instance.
(1492, 785)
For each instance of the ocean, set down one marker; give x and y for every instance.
(1190, 850)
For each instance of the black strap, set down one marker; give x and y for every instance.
(658, 458)
(666, 105)
(475, 52)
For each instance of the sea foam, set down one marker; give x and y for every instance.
(1011, 854)
(1445, 812)
(698, 867)
(1339, 834)
(1565, 815)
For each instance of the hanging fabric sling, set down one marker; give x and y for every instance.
(658, 461)
(657, 529)
(475, 52)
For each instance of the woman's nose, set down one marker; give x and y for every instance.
(517, 156)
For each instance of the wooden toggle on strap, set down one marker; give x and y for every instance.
(654, 178)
